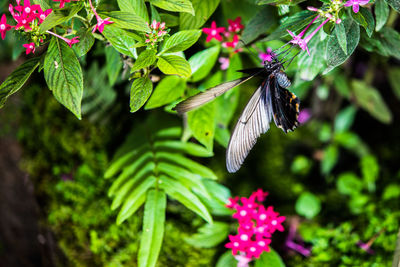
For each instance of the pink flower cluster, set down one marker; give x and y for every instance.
(256, 225)
(157, 33)
(62, 2)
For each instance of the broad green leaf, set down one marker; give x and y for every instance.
(352, 142)
(126, 20)
(123, 41)
(203, 9)
(86, 41)
(349, 184)
(174, 65)
(135, 199)
(293, 23)
(63, 75)
(341, 36)
(175, 190)
(202, 63)
(170, 20)
(364, 18)
(390, 41)
(269, 259)
(17, 79)
(264, 19)
(58, 16)
(335, 54)
(187, 163)
(169, 89)
(308, 205)
(394, 79)
(201, 122)
(310, 66)
(44, 4)
(209, 235)
(140, 91)
(181, 41)
(137, 7)
(370, 171)
(174, 5)
(381, 14)
(345, 118)
(113, 64)
(227, 260)
(329, 159)
(153, 228)
(371, 100)
(342, 85)
(391, 191)
(395, 4)
(183, 147)
(145, 59)
(154, 13)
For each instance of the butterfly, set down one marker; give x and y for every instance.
(271, 101)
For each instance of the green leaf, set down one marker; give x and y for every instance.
(135, 199)
(181, 41)
(123, 41)
(174, 65)
(335, 54)
(44, 4)
(126, 20)
(263, 20)
(352, 142)
(269, 259)
(227, 260)
(17, 79)
(341, 36)
(301, 165)
(280, 3)
(394, 79)
(308, 205)
(371, 100)
(140, 91)
(170, 20)
(395, 4)
(370, 171)
(145, 59)
(153, 228)
(154, 13)
(364, 18)
(137, 7)
(345, 118)
(184, 196)
(174, 5)
(391, 191)
(381, 14)
(58, 16)
(63, 75)
(202, 124)
(203, 10)
(209, 235)
(169, 89)
(349, 184)
(329, 159)
(202, 63)
(86, 41)
(389, 41)
(113, 64)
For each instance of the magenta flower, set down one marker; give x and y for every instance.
(233, 43)
(70, 42)
(304, 116)
(43, 14)
(213, 32)
(356, 4)
(243, 261)
(235, 25)
(4, 27)
(232, 202)
(266, 56)
(254, 250)
(29, 48)
(259, 195)
(224, 64)
(62, 2)
(236, 244)
(100, 22)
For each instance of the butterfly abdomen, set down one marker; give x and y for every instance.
(282, 79)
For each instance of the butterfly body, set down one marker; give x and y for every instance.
(271, 101)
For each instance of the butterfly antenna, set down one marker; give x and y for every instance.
(248, 49)
(291, 60)
(278, 49)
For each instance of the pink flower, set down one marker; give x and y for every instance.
(62, 2)
(70, 42)
(243, 261)
(304, 116)
(254, 250)
(101, 23)
(243, 213)
(213, 32)
(234, 25)
(232, 202)
(29, 48)
(266, 56)
(260, 195)
(4, 27)
(356, 4)
(232, 44)
(42, 15)
(236, 244)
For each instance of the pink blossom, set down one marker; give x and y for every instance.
(253, 250)
(224, 64)
(266, 56)
(70, 42)
(213, 32)
(232, 202)
(4, 27)
(260, 195)
(62, 2)
(234, 25)
(233, 43)
(29, 48)
(43, 14)
(243, 261)
(356, 4)
(236, 244)
(101, 23)
(304, 115)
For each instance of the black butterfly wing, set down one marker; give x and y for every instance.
(206, 96)
(285, 106)
(253, 122)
